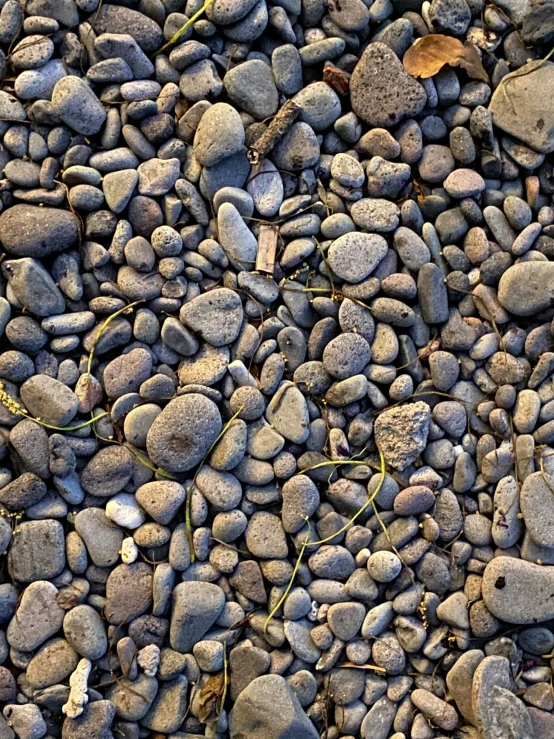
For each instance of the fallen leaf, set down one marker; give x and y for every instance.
(67, 600)
(210, 696)
(428, 55)
(471, 62)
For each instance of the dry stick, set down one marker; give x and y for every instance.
(267, 248)
(307, 543)
(276, 129)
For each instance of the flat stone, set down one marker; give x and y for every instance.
(169, 708)
(495, 708)
(102, 537)
(288, 413)
(128, 592)
(382, 93)
(34, 287)
(108, 471)
(37, 551)
(49, 399)
(268, 709)
(38, 617)
(133, 698)
(537, 506)
(77, 105)
(265, 536)
(517, 591)
(460, 678)
(93, 723)
(84, 630)
(116, 18)
(183, 432)
(196, 606)
(52, 664)
(355, 255)
(521, 106)
(220, 134)
(252, 88)
(32, 231)
(527, 288)
(216, 315)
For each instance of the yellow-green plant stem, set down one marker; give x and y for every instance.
(188, 500)
(184, 28)
(369, 502)
(291, 581)
(103, 328)
(14, 407)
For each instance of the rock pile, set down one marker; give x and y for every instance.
(277, 371)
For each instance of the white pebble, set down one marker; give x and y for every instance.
(124, 510)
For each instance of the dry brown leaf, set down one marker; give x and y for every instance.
(428, 55)
(471, 62)
(210, 697)
(67, 599)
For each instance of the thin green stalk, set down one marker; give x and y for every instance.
(188, 500)
(103, 328)
(291, 581)
(184, 28)
(17, 409)
(307, 543)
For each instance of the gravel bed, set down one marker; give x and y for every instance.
(277, 369)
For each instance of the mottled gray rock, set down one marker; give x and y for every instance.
(78, 106)
(268, 709)
(354, 256)
(183, 432)
(252, 88)
(31, 231)
(101, 536)
(216, 316)
(402, 433)
(524, 113)
(526, 288)
(196, 606)
(128, 592)
(37, 551)
(517, 591)
(38, 617)
(49, 399)
(382, 93)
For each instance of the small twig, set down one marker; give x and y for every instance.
(267, 248)
(276, 130)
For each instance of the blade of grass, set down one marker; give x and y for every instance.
(184, 28)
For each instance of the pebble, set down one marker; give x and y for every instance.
(354, 256)
(378, 72)
(182, 434)
(504, 582)
(78, 106)
(196, 606)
